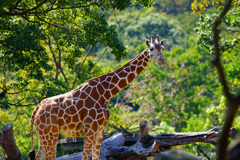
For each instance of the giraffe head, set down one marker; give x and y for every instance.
(155, 49)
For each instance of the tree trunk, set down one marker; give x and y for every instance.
(8, 144)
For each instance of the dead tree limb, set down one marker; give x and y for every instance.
(7, 142)
(146, 145)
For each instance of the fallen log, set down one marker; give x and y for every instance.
(147, 145)
(7, 142)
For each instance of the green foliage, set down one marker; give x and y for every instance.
(146, 24)
(184, 96)
(199, 7)
(204, 30)
(21, 48)
(175, 7)
(45, 52)
(46, 49)
(229, 42)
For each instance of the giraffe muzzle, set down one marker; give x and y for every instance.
(161, 62)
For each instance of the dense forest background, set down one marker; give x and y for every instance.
(46, 52)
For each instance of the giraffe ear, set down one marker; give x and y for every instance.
(147, 42)
(163, 42)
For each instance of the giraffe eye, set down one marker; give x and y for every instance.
(151, 49)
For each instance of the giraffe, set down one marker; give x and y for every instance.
(82, 111)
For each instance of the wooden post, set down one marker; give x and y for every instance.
(8, 144)
(143, 131)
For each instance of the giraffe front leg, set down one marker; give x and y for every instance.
(87, 146)
(97, 145)
(51, 147)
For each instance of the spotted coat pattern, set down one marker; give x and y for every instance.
(83, 111)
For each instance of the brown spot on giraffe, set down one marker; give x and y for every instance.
(122, 83)
(75, 118)
(100, 89)
(79, 104)
(83, 111)
(107, 94)
(88, 90)
(105, 84)
(127, 69)
(115, 79)
(139, 69)
(133, 68)
(115, 90)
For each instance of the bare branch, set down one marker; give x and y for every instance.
(23, 16)
(201, 151)
(4, 88)
(22, 105)
(101, 55)
(53, 54)
(232, 103)
(144, 145)
(52, 24)
(19, 11)
(121, 27)
(80, 68)
(39, 5)
(15, 6)
(59, 63)
(2, 94)
(23, 11)
(22, 91)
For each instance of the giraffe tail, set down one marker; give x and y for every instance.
(32, 152)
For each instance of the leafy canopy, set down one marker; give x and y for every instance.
(43, 41)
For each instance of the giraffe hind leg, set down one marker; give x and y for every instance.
(48, 143)
(41, 154)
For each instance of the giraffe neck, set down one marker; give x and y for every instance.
(114, 82)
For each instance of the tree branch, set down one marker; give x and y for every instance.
(23, 105)
(52, 24)
(144, 145)
(59, 63)
(232, 103)
(80, 68)
(15, 6)
(24, 11)
(14, 11)
(3, 93)
(23, 16)
(53, 54)
(101, 56)
(4, 88)
(216, 61)
(21, 91)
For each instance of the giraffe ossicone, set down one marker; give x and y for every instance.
(82, 111)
